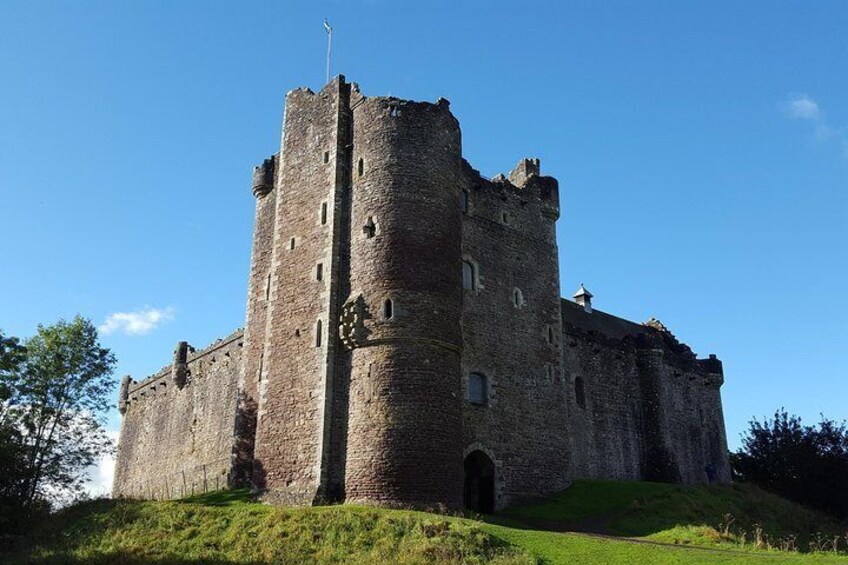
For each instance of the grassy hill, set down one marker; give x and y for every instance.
(664, 524)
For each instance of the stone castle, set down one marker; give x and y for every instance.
(406, 343)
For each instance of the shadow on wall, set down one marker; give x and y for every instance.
(246, 472)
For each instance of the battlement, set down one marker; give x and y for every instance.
(133, 391)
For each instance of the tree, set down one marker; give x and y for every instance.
(58, 401)
(807, 464)
(12, 455)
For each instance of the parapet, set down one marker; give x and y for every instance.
(517, 200)
(179, 371)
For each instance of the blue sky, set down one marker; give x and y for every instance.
(701, 148)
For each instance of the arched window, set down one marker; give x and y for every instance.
(580, 392)
(478, 389)
(517, 298)
(468, 278)
(388, 309)
(318, 333)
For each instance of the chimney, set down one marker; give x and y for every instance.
(584, 298)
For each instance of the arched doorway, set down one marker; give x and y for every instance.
(479, 483)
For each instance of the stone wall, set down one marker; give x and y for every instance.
(299, 336)
(651, 410)
(512, 332)
(176, 434)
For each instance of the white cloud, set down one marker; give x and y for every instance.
(803, 107)
(139, 322)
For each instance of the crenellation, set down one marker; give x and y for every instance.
(406, 343)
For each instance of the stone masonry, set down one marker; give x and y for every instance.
(406, 343)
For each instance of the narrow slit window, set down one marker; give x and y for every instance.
(319, 272)
(268, 287)
(388, 309)
(463, 201)
(360, 167)
(517, 298)
(318, 333)
(467, 275)
(323, 213)
(291, 244)
(550, 334)
(580, 392)
(326, 157)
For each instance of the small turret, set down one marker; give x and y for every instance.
(124, 394)
(584, 298)
(263, 177)
(180, 367)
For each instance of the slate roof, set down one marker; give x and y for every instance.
(574, 315)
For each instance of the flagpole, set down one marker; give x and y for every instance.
(329, 46)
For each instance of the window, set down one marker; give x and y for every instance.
(318, 332)
(360, 167)
(463, 201)
(580, 392)
(291, 244)
(517, 298)
(550, 334)
(323, 213)
(326, 157)
(505, 218)
(370, 228)
(477, 389)
(319, 272)
(468, 276)
(388, 309)
(268, 287)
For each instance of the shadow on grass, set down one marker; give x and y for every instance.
(677, 513)
(129, 559)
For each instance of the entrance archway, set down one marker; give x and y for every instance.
(479, 483)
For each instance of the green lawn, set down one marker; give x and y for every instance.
(711, 516)
(228, 527)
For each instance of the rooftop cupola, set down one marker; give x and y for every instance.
(584, 298)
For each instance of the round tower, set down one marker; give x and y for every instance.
(402, 318)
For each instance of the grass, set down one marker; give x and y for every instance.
(229, 527)
(724, 516)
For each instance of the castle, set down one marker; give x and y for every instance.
(406, 343)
